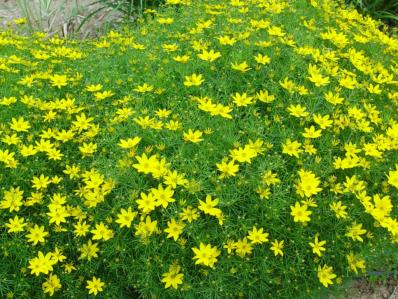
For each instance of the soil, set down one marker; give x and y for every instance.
(364, 289)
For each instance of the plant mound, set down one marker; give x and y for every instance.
(216, 149)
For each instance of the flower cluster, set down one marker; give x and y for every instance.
(216, 149)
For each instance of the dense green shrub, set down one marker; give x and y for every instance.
(216, 149)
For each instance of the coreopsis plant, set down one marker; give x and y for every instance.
(215, 149)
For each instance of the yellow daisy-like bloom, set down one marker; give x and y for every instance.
(194, 80)
(52, 284)
(326, 275)
(41, 264)
(173, 278)
(241, 67)
(277, 247)
(317, 246)
(206, 255)
(300, 213)
(95, 285)
(37, 234)
(193, 136)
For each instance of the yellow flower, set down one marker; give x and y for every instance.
(277, 247)
(36, 234)
(95, 285)
(174, 229)
(145, 164)
(181, 59)
(243, 248)
(209, 55)
(243, 155)
(125, 217)
(51, 285)
(227, 169)
(173, 277)
(163, 196)
(257, 236)
(300, 213)
(89, 250)
(288, 85)
(147, 228)
(209, 206)
(163, 113)
(326, 275)
(20, 21)
(20, 125)
(82, 122)
(12, 199)
(11, 139)
(339, 209)
(316, 76)
(170, 47)
(103, 95)
(382, 206)
(229, 246)
(57, 214)
(144, 88)
(334, 99)
(374, 89)
(355, 262)
(393, 177)
(40, 182)
(15, 225)
(206, 255)
(242, 67)
(355, 232)
(317, 246)
(292, 148)
(81, 229)
(146, 203)
(276, 31)
(94, 88)
(193, 80)
(348, 82)
(41, 264)
(193, 136)
(297, 111)
(190, 214)
(73, 171)
(226, 40)
(242, 100)
(311, 132)
(269, 178)
(59, 80)
(129, 143)
(88, 149)
(166, 21)
(101, 232)
(69, 267)
(308, 184)
(262, 59)
(323, 121)
(174, 179)
(264, 96)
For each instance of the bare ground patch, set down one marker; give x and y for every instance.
(363, 289)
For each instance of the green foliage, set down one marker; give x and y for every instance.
(385, 10)
(212, 149)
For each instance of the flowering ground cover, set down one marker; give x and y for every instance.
(216, 149)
